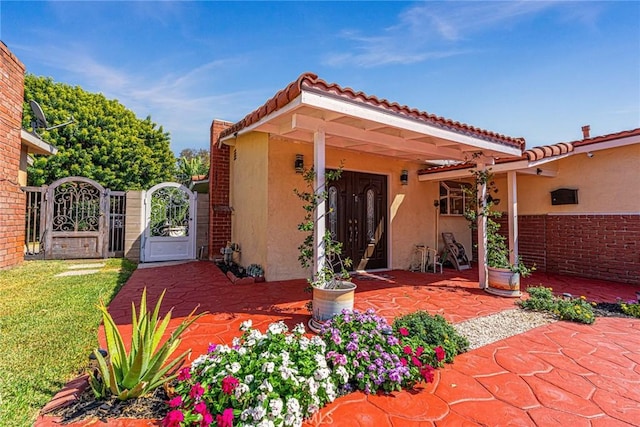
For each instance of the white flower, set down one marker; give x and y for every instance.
(240, 390)
(342, 372)
(285, 356)
(316, 340)
(299, 329)
(320, 360)
(248, 379)
(289, 339)
(266, 385)
(246, 325)
(304, 343)
(313, 386)
(200, 360)
(276, 406)
(223, 349)
(258, 413)
(235, 367)
(244, 415)
(242, 351)
(293, 406)
(262, 397)
(268, 367)
(265, 423)
(321, 374)
(277, 328)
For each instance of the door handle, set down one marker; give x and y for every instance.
(350, 232)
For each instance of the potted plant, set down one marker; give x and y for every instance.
(331, 286)
(503, 276)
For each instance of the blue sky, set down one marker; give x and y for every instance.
(539, 70)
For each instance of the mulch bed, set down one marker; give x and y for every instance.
(151, 407)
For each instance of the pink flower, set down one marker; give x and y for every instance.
(419, 351)
(427, 373)
(185, 374)
(440, 354)
(200, 408)
(416, 361)
(173, 418)
(207, 419)
(403, 361)
(229, 384)
(175, 402)
(226, 419)
(211, 348)
(407, 350)
(404, 332)
(196, 391)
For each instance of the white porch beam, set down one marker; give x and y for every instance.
(512, 198)
(353, 109)
(299, 121)
(319, 164)
(482, 233)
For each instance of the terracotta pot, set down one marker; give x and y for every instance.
(328, 303)
(503, 282)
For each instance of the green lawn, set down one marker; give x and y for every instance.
(48, 327)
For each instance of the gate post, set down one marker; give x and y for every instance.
(134, 225)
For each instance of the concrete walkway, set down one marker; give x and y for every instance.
(563, 373)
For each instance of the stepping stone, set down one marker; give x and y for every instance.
(83, 266)
(76, 273)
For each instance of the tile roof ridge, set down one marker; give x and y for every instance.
(606, 137)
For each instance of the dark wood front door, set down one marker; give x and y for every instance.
(358, 218)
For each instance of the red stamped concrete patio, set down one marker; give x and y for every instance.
(567, 373)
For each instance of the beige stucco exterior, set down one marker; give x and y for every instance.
(606, 183)
(266, 211)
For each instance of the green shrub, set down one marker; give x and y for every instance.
(573, 309)
(145, 367)
(631, 308)
(431, 331)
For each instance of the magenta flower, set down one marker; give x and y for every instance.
(229, 384)
(185, 374)
(407, 350)
(207, 419)
(173, 418)
(403, 361)
(175, 402)
(211, 348)
(196, 391)
(226, 419)
(404, 332)
(427, 373)
(440, 354)
(200, 408)
(416, 361)
(419, 351)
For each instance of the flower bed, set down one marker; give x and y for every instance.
(279, 378)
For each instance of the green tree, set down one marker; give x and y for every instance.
(107, 142)
(192, 162)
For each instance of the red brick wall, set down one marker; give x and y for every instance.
(598, 246)
(603, 247)
(219, 211)
(12, 199)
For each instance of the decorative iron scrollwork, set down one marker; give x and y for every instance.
(169, 212)
(76, 207)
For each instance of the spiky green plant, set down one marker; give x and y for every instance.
(146, 366)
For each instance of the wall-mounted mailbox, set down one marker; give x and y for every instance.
(564, 196)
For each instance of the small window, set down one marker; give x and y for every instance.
(453, 200)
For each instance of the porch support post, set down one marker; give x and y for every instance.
(512, 189)
(482, 232)
(319, 161)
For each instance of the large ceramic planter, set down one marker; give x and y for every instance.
(503, 282)
(328, 303)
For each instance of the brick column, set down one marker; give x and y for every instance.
(219, 209)
(12, 199)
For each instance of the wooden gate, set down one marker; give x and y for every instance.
(77, 211)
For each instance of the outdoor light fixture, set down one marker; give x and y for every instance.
(436, 203)
(299, 163)
(404, 177)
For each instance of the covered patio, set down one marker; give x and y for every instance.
(559, 373)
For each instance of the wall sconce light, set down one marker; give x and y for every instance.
(404, 177)
(589, 154)
(299, 163)
(538, 171)
(436, 203)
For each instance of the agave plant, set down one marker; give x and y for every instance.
(145, 367)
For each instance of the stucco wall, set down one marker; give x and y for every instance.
(248, 196)
(608, 182)
(410, 215)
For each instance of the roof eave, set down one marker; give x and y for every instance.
(36, 145)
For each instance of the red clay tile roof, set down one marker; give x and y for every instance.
(311, 81)
(609, 137)
(539, 153)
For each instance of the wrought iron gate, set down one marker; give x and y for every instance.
(74, 217)
(170, 223)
